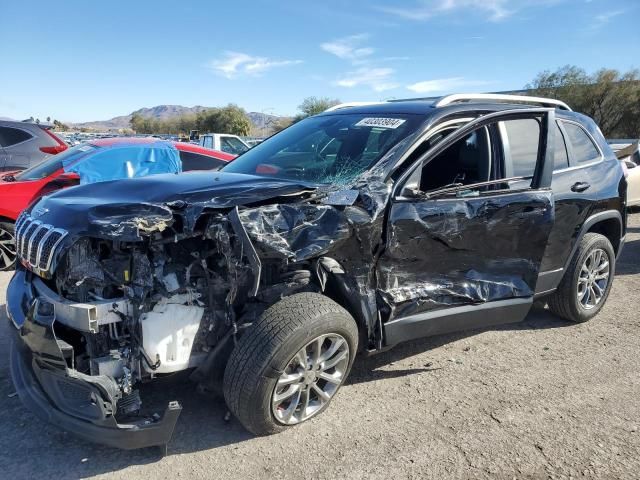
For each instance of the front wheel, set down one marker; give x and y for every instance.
(7, 247)
(586, 284)
(288, 367)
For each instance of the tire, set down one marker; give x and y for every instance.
(7, 247)
(268, 350)
(564, 302)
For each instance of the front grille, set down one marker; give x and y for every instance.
(36, 242)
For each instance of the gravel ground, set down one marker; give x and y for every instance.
(539, 399)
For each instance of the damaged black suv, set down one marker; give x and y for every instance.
(349, 231)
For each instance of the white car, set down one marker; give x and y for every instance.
(628, 152)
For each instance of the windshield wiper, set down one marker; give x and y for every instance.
(444, 189)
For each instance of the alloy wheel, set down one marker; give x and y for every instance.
(7, 249)
(310, 379)
(593, 278)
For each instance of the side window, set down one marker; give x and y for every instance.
(581, 144)
(232, 145)
(226, 146)
(560, 153)
(465, 162)
(12, 136)
(207, 141)
(522, 142)
(194, 161)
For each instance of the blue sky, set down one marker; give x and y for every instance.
(80, 61)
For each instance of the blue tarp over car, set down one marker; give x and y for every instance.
(123, 160)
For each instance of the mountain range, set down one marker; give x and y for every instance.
(164, 112)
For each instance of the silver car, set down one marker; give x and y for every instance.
(23, 144)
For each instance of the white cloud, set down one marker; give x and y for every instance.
(348, 48)
(443, 85)
(495, 10)
(376, 78)
(606, 17)
(237, 63)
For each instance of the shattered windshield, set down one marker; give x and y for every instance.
(327, 149)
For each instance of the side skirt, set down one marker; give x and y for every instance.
(456, 319)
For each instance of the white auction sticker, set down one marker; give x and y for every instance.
(380, 122)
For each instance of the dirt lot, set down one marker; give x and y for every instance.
(540, 399)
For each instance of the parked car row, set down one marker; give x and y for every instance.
(350, 231)
(91, 162)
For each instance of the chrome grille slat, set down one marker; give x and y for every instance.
(41, 244)
(24, 248)
(33, 243)
(57, 235)
(36, 242)
(22, 223)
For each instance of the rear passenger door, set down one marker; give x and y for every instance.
(467, 230)
(576, 178)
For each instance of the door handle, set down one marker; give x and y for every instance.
(580, 186)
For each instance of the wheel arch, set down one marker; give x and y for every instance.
(340, 287)
(608, 223)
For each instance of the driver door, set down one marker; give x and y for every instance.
(464, 241)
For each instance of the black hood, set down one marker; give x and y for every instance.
(75, 208)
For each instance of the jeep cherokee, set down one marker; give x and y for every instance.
(350, 231)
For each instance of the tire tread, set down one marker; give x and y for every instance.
(255, 349)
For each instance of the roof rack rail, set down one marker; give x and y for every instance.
(351, 104)
(465, 97)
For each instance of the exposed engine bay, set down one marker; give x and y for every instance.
(136, 310)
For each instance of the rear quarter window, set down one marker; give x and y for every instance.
(12, 136)
(582, 146)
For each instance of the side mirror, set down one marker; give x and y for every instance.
(409, 192)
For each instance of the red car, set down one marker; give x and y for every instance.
(19, 189)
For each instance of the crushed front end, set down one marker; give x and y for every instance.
(94, 406)
(130, 294)
(97, 315)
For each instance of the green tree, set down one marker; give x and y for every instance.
(608, 96)
(230, 119)
(313, 106)
(281, 124)
(60, 126)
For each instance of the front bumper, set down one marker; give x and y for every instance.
(68, 399)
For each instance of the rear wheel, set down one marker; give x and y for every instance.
(288, 367)
(7, 247)
(587, 282)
